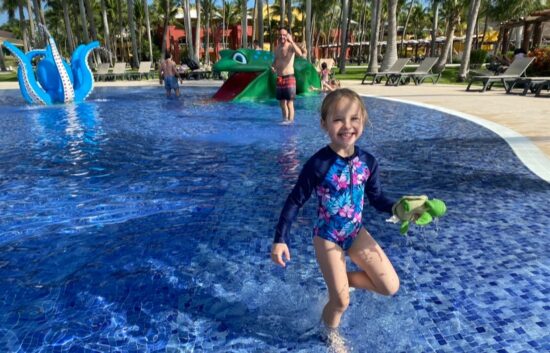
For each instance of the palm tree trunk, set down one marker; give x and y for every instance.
(84, 21)
(120, 31)
(188, 29)
(361, 32)
(404, 33)
(289, 15)
(198, 31)
(269, 25)
(484, 30)
(68, 29)
(223, 24)
(22, 26)
(36, 7)
(308, 30)
(167, 5)
(148, 25)
(2, 62)
(254, 20)
(434, 27)
(207, 34)
(472, 16)
(107, 35)
(134, 62)
(449, 35)
(374, 33)
(261, 23)
(282, 7)
(343, 37)
(244, 25)
(90, 13)
(32, 34)
(391, 46)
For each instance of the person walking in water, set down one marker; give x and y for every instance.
(168, 71)
(283, 66)
(344, 177)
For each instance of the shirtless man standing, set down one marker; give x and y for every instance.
(168, 71)
(283, 66)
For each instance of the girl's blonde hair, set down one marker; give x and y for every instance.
(333, 97)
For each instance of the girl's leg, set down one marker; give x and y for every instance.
(378, 274)
(331, 259)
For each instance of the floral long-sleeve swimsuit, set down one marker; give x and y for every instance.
(340, 184)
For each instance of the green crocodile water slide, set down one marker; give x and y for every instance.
(252, 79)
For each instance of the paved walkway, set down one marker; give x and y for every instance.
(523, 121)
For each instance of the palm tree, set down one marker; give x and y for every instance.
(68, 29)
(452, 8)
(282, 7)
(106, 33)
(374, 33)
(309, 23)
(472, 17)
(244, 24)
(22, 25)
(39, 19)
(120, 11)
(391, 45)
(261, 23)
(132, 26)
(198, 31)
(32, 34)
(148, 26)
(208, 10)
(84, 21)
(343, 37)
(90, 12)
(404, 33)
(188, 29)
(436, 5)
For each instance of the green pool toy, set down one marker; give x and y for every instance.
(252, 78)
(417, 209)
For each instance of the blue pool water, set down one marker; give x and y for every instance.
(133, 223)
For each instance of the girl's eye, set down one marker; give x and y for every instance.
(239, 57)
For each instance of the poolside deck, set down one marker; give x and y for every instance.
(527, 115)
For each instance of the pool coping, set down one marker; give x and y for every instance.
(528, 153)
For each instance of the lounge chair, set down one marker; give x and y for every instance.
(143, 70)
(422, 72)
(516, 70)
(396, 68)
(119, 70)
(102, 71)
(535, 84)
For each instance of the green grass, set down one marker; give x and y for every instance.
(449, 75)
(8, 77)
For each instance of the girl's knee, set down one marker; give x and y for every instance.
(341, 302)
(390, 288)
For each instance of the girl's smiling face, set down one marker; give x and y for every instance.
(344, 125)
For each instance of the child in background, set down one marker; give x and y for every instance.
(342, 175)
(325, 76)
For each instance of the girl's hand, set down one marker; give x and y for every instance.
(277, 252)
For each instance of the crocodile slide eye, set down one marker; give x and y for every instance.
(239, 57)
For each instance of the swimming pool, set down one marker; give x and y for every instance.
(134, 223)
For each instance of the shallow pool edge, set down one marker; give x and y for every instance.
(527, 152)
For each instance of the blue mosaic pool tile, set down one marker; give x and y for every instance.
(172, 231)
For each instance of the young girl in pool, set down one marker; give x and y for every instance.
(342, 175)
